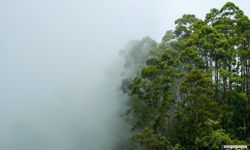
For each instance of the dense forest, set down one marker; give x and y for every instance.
(191, 90)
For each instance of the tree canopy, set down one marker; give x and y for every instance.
(191, 90)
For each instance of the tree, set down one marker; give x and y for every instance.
(192, 89)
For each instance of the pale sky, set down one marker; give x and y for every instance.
(56, 89)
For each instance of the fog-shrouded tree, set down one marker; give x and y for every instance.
(191, 90)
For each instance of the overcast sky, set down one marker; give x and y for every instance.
(56, 89)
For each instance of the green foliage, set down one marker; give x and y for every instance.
(192, 90)
(216, 139)
(150, 140)
(149, 71)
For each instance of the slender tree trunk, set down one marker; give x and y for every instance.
(247, 77)
(230, 81)
(216, 80)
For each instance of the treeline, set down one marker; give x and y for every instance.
(192, 90)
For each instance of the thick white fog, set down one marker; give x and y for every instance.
(60, 67)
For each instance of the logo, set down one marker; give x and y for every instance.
(234, 147)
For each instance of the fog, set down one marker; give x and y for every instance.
(60, 67)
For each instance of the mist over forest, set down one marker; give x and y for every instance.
(108, 75)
